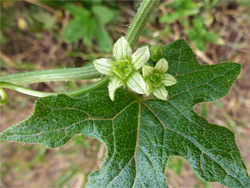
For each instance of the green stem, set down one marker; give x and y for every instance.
(140, 20)
(34, 93)
(67, 74)
(4, 97)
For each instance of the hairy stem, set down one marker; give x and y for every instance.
(140, 21)
(67, 74)
(34, 93)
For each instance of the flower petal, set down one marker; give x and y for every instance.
(147, 71)
(168, 80)
(140, 57)
(104, 66)
(162, 65)
(136, 83)
(114, 83)
(160, 93)
(122, 50)
(149, 87)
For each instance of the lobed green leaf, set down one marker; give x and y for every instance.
(141, 134)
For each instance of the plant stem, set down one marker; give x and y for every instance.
(34, 93)
(4, 97)
(140, 20)
(67, 74)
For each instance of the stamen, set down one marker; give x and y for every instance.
(122, 69)
(156, 79)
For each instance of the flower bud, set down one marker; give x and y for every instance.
(156, 52)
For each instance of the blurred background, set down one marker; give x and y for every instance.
(41, 34)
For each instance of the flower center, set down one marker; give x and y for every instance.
(122, 69)
(156, 79)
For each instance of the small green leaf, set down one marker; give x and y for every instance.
(181, 9)
(74, 30)
(170, 18)
(103, 38)
(142, 134)
(200, 35)
(77, 27)
(103, 14)
(92, 3)
(89, 31)
(55, 4)
(77, 11)
(45, 18)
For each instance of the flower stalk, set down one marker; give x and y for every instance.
(34, 93)
(67, 74)
(140, 20)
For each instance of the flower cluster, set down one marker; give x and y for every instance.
(157, 79)
(124, 70)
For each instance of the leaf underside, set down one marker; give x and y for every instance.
(140, 135)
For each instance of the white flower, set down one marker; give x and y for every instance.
(157, 79)
(124, 69)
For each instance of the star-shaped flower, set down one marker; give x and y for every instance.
(157, 79)
(123, 69)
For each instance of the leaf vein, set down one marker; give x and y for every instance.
(185, 136)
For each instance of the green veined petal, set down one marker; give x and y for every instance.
(122, 50)
(104, 66)
(162, 65)
(114, 83)
(140, 57)
(147, 71)
(168, 80)
(160, 93)
(136, 83)
(149, 87)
